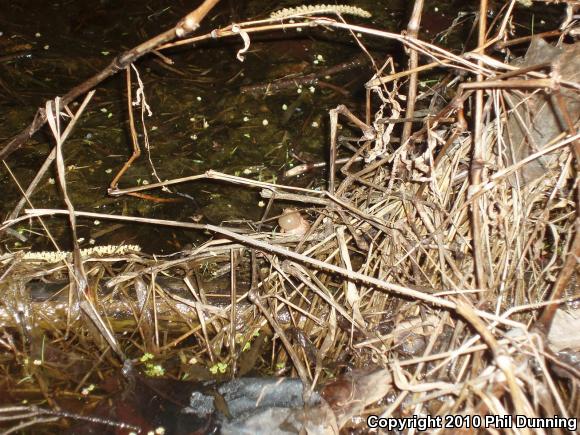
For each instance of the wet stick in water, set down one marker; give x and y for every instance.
(187, 25)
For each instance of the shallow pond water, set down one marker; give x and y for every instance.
(200, 118)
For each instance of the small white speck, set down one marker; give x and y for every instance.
(284, 106)
(193, 137)
(265, 122)
(314, 124)
(104, 109)
(542, 22)
(247, 171)
(198, 98)
(299, 29)
(46, 47)
(205, 123)
(311, 89)
(85, 391)
(80, 239)
(154, 128)
(436, 9)
(97, 222)
(261, 204)
(192, 119)
(145, 182)
(299, 90)
(160, 430)
(108, 171)
(315, 62)
(37, 34)
(246, 119)
(92, 241)
(37, 362)
(51, 181)
(320, 57)
(359, 35)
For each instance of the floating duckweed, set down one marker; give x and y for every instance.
(146, 357)
(246, 119)
(154, 370)
(198, 98)
(97, 222)
(265, 122)
(261, 203)
(219, 367)
(312, 89)
(284, 106)
(108, 171)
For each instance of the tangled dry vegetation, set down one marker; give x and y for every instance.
(447, 262)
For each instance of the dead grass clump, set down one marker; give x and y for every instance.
(440, 260)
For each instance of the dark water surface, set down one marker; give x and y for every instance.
(201, 120)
